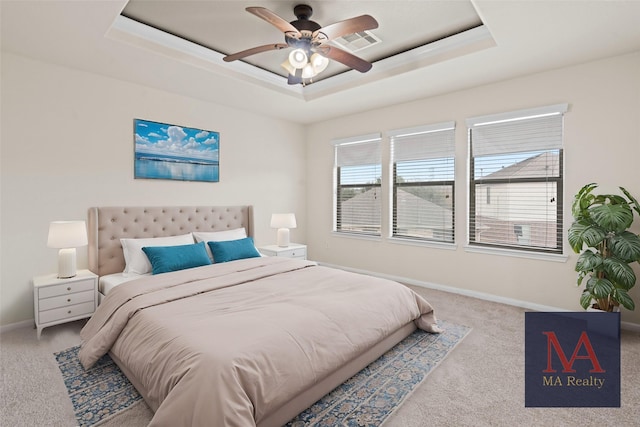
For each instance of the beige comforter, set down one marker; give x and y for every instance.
(228, 344)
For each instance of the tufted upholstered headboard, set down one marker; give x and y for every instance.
(107, 225)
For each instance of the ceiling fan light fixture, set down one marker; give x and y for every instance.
(287, 66)
(308, 71)
(308, 40)
(298, 58)
(319, 63)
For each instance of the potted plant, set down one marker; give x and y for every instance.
(600, 235)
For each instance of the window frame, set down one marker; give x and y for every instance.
(338, 187)
(474, 182)
(396, 137)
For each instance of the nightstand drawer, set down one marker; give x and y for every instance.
(66, 288)
(66, 300)
(66, 312)
(295, 250)
(293, 253)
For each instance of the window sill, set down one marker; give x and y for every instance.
(423, 243)
(356, 236)
(517, 254)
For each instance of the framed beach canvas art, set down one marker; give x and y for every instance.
(164, 151)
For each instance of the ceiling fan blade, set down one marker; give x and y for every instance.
(254, 50)
(346, 58)
(348, 26)
(274, 20)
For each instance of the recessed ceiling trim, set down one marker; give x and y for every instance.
(466, 42)
(143, 36)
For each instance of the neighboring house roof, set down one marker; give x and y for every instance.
(545, 164)
(431, 215)
(362, 209)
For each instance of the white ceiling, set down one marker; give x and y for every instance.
(227, 28)
(518, 38)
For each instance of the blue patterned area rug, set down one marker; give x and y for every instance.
(365, 400)
(98, 394)
(369, 397)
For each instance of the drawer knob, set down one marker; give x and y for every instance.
(69, 312)
(68, 299)
(69, 288)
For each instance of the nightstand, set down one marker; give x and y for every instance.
(58, 301)
(294, 250)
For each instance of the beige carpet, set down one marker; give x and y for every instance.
(480, 383)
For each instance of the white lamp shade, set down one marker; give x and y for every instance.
(287, 66)
(319, 63)
(285, 220)
(298, 58)
(308, 72)
(67, 234)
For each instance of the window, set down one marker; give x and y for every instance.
(423, 182)
(516, 180)
(358, 173)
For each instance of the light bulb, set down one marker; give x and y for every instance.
(319, 63)
(308, 71)
(298, 58)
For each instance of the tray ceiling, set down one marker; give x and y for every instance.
(516, 38)
(225, 27)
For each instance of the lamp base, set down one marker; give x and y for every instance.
(66, 263)
(283, 237)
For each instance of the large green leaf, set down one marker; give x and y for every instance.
(585, 299)
(623, 298)
(612, 217)
(581, 277)
(588, 261)
(582, 200)
(613, 199)
(626, 246)
(619, 273)
(634, 202)
(599, 287)
(582, 233)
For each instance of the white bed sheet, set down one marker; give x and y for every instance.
(110, 281)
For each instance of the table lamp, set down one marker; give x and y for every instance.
(67, 236)
(283, 222)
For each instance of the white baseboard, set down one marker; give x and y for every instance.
(18, 325)
(628, 326)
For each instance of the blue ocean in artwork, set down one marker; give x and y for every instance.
(175, 152)
(180, 168)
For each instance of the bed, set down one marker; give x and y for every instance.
(251, 341)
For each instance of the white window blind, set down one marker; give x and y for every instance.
(358, 173)
(423, 167)
(516, 179)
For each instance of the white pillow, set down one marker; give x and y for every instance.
(219, 236)
(136, 261)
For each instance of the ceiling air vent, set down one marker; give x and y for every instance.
(357, 41)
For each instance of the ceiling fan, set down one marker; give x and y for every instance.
(311, 52)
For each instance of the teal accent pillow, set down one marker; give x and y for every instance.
(231, 250)
(172, 258)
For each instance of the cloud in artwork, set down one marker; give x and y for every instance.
(176, 141)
